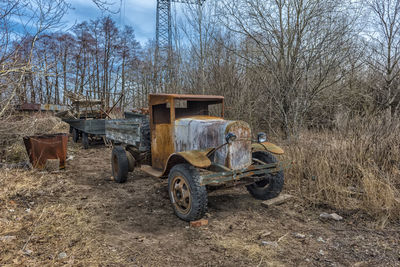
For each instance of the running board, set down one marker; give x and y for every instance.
(151, 171)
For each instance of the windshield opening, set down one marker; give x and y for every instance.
(186, 108)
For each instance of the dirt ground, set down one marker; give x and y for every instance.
(80, 217)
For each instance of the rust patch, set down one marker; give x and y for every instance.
(40, 148)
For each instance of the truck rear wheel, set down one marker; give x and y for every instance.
(120, 164)
(188, 198)
(272, 184)
(75, 135)
(85, 140)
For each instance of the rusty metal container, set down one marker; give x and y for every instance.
(41, 148)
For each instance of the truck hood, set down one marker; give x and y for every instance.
(202, 132)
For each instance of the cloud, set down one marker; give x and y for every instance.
(139, 14)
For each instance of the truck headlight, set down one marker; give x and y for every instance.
(261, 137)
(230, 137)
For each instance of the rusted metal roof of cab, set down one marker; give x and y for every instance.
(162, 98)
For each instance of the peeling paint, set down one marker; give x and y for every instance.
(239, 151)
(198, 133)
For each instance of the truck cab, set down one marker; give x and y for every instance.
(169, 132)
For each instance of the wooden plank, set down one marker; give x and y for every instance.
(276, 201)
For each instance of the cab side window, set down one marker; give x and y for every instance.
(161, 114)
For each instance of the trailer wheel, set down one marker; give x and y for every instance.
(75, 135)
(272, 184)
(85, 140)
(120, 164)
(188, 198)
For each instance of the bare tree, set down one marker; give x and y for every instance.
(384, 32)
(199, 29)
(36, 16)
(107, 6)
(295, 47)
(129, 65)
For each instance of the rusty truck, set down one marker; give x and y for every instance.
(186, 139)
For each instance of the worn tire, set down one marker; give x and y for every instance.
(85, 140)
(272, 185)
(198, 200)
(145, 132)
(119, 164)
(75, 135)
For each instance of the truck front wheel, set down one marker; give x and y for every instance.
(271, 185)
(188, 198)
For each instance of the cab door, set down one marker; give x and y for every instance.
(161, 125)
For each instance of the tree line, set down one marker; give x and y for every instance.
(282, 65)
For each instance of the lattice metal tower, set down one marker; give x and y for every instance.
(163, 24)
(164, 76)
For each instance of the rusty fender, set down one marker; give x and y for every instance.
(197, 158)
(267, 146)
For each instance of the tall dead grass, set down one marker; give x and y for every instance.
(353, 167)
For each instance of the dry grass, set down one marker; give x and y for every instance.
(252, 249)
(354, 167)
(42, 228)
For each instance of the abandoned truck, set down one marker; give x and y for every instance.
(183, 140)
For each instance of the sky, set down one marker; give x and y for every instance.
(140, 14)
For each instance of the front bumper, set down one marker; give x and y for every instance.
(253, 171)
